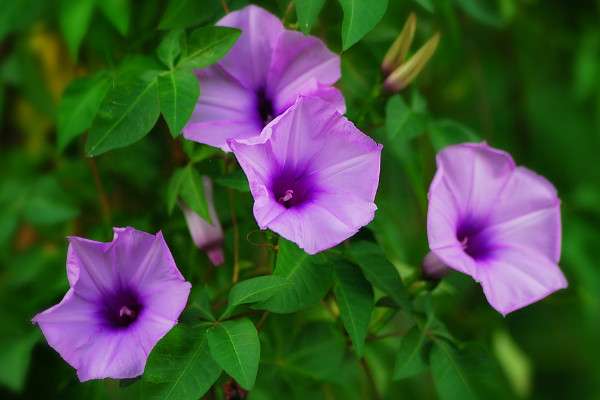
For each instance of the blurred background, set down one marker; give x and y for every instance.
(524, 75)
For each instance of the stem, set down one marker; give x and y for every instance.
(103, 200)
(262, 321)
(369, 373)
(224, 4)
(242, 315)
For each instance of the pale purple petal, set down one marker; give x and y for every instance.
(250, 57)
(496, 222)
(225, 109)
(300, 65)
(475, 174)
(313, 175)
(125, 296)
(515, 278)
(206, 236)
(312, 227)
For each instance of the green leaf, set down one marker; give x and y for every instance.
(446, 132)
(426, 4)
(379, 271)
(235, 180)
(308, 11)
(127, 113)
(402, 122)
(169, 47)
(174, 189)
(207, 45)
(185, 13)
(235, 346)
(178, 92)
(310, 278)
(412, 355)
(198, 152)
(479, 10)
(354, 296)
(254, 290)
(317, 352)
(75, 16)
(198, 307)
(192, 192)
(180, 366)
(117, 12)
(360, 16)
(78, 106)
(466, 373)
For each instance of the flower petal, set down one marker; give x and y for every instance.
(312, 227)
(528, 206)
(250, 57)
(225, 109)
(516, 277)
(300, 65)
(476, 175)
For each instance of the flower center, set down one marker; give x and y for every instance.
(286, 197)
(265, 107)
(121, 309)
(474, 242)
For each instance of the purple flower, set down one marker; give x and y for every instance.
(313, 177)
(260, 78)
(124, 297)
(496, 222)
(207, 237)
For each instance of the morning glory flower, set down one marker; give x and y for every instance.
(259, 78)
(313, 176)
(206, 236)
(496, 222)
(124, 297)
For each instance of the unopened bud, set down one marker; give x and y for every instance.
(397, 53)
(207, 237)
(434, 268)
(406, 72)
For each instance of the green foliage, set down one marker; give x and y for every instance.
(78, 107)
(379, 271)
(254, 290)
(178, 92)
(235, 347)
(308, 11)
(127, 113)
(360, 16)
(465, 373)
(412, 357)
(310, 278)
(234, 180)
(186, 13)
(404, 122)
(75, 16)
(354, 296)
(207, 45)
(191, 190)
(180, 366)
(169, 47)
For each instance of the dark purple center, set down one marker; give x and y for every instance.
(119, 310)
(474, 240)
(265, 107)
(292, 188)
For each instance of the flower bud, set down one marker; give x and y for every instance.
(207, 237)
(398, 51)
(434, 268)
(406, 72)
